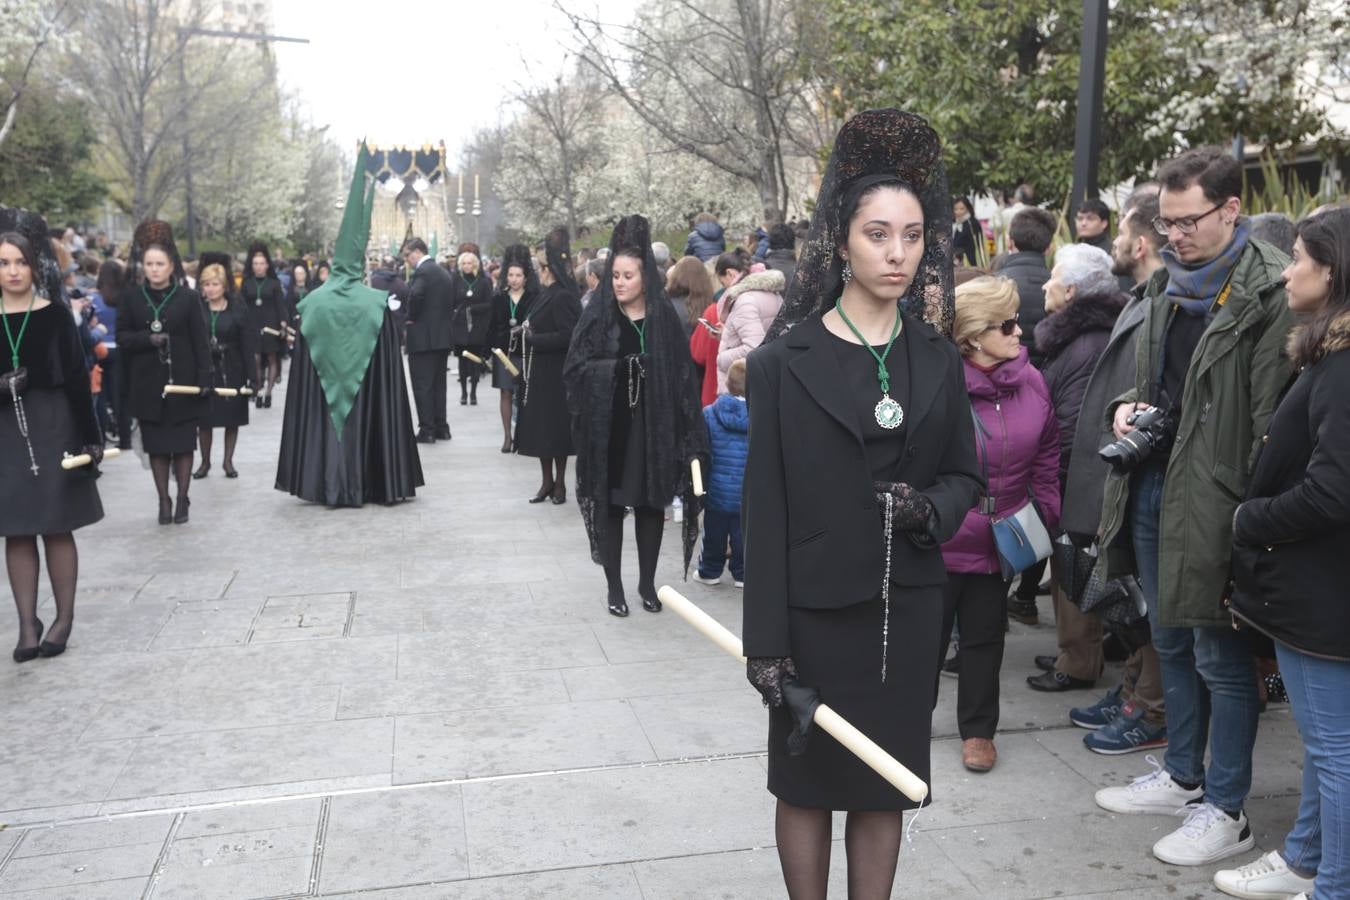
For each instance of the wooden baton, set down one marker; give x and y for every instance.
(83, 459)
(696, 470)
(506, 361)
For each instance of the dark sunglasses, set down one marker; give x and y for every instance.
(1007, 326)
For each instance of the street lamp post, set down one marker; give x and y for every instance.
(183, 35)
(1087, 144)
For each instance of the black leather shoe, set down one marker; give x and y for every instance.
(165, 511)
(443, 433)
(425, 437)
(231, 472)
(544, 493)
(180, 514)
(202, 471)
(1023, 612)
(558, 498)
(1055, 682)
(1046, 662)
(617, 607)
(651, 604)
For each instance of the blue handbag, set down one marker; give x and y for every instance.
(1021, 539)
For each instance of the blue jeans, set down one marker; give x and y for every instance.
(718, 525)
(1319, 693)
(1208, 675)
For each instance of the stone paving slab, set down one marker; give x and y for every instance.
(245, 697)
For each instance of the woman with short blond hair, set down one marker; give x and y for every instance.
(232, 345)
(1017, 437)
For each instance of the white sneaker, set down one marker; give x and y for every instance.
(739, 584)
(1267, 878)
(712, 581)
(1208, 835)
(1155, 793)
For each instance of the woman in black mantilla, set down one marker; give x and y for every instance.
(298, 290)
(46, 410)
(633, 394)
(543, 429)
(162, 332)
(862, 461)
(472, 317)
(517, 287)
(261, 292)
(232, 347)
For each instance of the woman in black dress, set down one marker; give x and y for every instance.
(232, 346)
(517, 286)
(46, 410)
(295, 293)
(543, 429)
(471, 319)
(162, 332)
(862, 461)
(261, 292)
(633, 393)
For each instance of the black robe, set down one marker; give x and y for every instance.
(186, 361)
(266, 309)
(376, 460)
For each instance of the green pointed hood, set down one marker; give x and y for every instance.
(341, 319)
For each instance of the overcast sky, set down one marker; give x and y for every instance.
(396, 79)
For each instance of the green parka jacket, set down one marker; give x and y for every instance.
(1232, 386)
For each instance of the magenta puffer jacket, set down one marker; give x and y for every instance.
(1022, 439)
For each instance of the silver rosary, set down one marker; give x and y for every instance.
(22, 418)
(635, 375)
(888, 505)
(526, 364)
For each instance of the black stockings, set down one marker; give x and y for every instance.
(269, 365)
(204, 440)
(182, 473)
(506, 403)
(553, 476)
(649, 525)
(871, 842)
(63, 564)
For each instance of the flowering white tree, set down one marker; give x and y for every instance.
(31, 27)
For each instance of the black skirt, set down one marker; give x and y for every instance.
(503, 380)
(838, 651)
(54, 501)
(160, 439)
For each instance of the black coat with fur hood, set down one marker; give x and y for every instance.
(1071, 341)
(1292, 536)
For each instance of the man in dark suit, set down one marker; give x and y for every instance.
(428, 339)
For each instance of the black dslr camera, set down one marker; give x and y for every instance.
(1153, 432)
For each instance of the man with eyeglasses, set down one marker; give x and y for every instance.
(1210, 358)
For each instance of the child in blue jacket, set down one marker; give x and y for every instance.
(729, 437)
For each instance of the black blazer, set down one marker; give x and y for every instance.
(813, 532)
(965, 238)
(430, 306)
(147, 373)
(476, 310)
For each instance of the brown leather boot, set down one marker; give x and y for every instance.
(978, 754)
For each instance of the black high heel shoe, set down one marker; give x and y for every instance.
(559, 495)
(28, 654)
(267, 402)
(651, 604)
(543, 494)
(506, 446)
(180, 515)
(230, 471)
(202, 471)
(48, 649)
(618, 607)
(165, 511)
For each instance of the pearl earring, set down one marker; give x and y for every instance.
(978, 348)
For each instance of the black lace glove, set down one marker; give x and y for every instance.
(159, 340)
(911, 509)
(95, 452)
(766, 673)
(14, 383)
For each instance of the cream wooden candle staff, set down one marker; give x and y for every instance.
(857, 743)
(696, 471)
(506, 361)
(83, 459)
(472, 357)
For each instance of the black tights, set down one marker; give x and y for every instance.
(182, 473)
(468, 380)
(871, 842)
(507, 400)
(552, 483)
(268, 369)
(63, 569)
(204, 439)
(648, 525)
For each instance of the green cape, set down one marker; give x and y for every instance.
(341, 319)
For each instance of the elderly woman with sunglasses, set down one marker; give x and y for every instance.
(1018, 442)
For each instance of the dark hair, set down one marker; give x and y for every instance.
(732, 259)
(1218, 174)
(1140, 220)
(111, 280)
(1326, 238)
(1141, 190)
(863, 188)
(1274, 228)
(415, 244)
(782, 237)
(26, 250)
(1025, 193)
(1033, 229)
(322, 264)
(970, 207)
(1096, 207)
